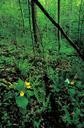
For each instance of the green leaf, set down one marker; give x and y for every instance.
(30, 93)
(68, 118)
(76, 115)
(72, 91)
(21, 101)
(20, 85)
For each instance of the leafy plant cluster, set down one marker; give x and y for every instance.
(31, 100)
(26, 99)
(68, 93)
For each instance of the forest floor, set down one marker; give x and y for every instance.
(18, 62)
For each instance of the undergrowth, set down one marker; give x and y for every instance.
(40, 92)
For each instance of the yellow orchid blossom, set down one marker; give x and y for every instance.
(21, 93)
(28, 85)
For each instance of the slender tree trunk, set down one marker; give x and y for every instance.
(58, 28)
(79, 22)
(82, 29)
(34, 25)
(22, 15)
(36, 31)
(34, 21)
(70, 15)
(29, 10)
(46, 4)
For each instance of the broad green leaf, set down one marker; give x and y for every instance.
(22, 101)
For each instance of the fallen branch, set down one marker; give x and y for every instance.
(59, 27)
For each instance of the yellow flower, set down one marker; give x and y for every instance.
(28, 85)
(72, 82)
(21, 93)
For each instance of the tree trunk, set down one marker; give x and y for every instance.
(22, 15)
(36, 31)
(35, 26)
(70, 16)
(34, 21)
(29, 12)
(79, 22)
(58, 28)
(46, 4)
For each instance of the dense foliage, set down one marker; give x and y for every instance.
(41, 74)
